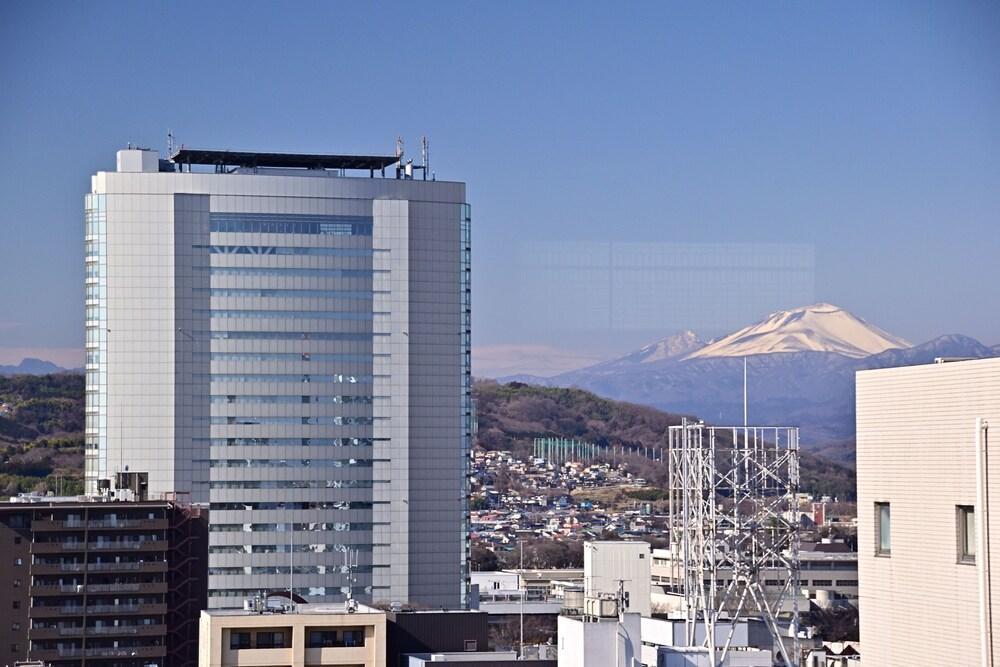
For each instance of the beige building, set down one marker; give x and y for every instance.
(309, 636)
(923, 479)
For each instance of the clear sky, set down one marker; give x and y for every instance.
(870, 131)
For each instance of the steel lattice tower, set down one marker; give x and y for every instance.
(733, 520)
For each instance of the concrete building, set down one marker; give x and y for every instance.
(826, 578)
(308, 636)
(95, 582)
(664, 644)
(429, 631)
(606, 565)
(600, 641)
(923, 479)
(290, 344)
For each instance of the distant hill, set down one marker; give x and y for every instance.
(42, 421)
(801, 366)
(510, 416)
(31, 366)
(41, 433)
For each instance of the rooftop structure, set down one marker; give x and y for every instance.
(252, 160)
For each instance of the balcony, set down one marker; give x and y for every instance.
(56, 589)
(103, 631)
(39, 611)
(56, 568)
(48, 655)
(147, 567)
(129, 587)
(116, 609)
(127, 652)
(146, 545)
(57, 547)
(45, 525)
(127, 630)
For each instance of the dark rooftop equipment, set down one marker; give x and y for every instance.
(251, 160)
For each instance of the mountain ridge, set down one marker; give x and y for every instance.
(810, 388)
(819, 327)
(33, 366)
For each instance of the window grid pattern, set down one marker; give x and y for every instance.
(322, 291)
(96, 337)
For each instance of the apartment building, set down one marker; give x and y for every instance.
(927, 483)
(101, 583)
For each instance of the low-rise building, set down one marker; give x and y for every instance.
(479, 659)
(827, 577)
(304, 635)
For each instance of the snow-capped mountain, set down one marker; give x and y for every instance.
(801, 367)
(820, 327)
(672, 347)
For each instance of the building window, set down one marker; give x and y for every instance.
(966, 519)
(471, 645)
(16, 604)
(822, 583)
(14, 648)
(15, 626)
(239, 640)
(335, 638)
(270, 640)
(17, 540)
(17, 583)
(847, 582)
(18, 561)
(883, 536)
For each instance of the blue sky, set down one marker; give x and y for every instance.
(869, 130)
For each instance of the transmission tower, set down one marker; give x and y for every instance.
(733, 526)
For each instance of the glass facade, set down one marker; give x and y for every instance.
(263, 284)
(96, 333)
(465, 352)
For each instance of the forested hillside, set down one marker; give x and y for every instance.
(511, 416)
(41, 433)
(42, 421)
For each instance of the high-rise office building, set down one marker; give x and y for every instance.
(286, 338)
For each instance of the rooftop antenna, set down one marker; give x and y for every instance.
(399, 156)
(349, 562)
(745, 422)
(170, 142)
(425, 152)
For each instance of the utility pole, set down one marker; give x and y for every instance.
(745, 421)
(524, 590)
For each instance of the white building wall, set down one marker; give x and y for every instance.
(915, 451)
(604, 643)
(605, 563)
